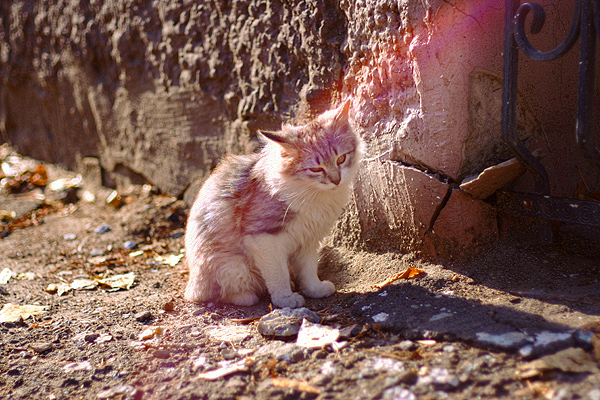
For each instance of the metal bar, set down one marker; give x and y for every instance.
(585, 97)
(509, 112)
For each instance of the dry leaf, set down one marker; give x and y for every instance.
(301, 386)
(13, 312)
(83, 283)
(573, 359)
(5, 276)
(151, 332)
(409, 273)
(117, 282)
(240, 366)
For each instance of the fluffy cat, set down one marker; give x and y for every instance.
(258, 219)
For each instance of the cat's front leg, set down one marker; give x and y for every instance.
(270, 257)
(304, 263)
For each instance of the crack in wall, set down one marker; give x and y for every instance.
(439, 209)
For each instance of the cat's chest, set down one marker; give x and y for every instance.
(313, 219)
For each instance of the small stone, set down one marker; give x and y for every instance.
(41, 347)
(177, 235)
(439, 316)
(285, 322)
(91, 337)
(398, 393)
(408, 345)
(315, 336)
(161, 353)
(381, 317)
(70, 236)
(102, 229)
(230, 333)
(130, 245)
(169, 306)
(143, 316)
(229, 353)
(96, 252)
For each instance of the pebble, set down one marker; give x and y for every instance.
(408, 345)
(398, 393)
(41, 347)
(169, 306)
(115, 391)
(143, 316)
(381, 317)
(130, 245)
(161, 353)
(594, 394)
(91, 337)
(232, 333)
(441, 378)
(96, 252)
(102, 229)
(508, 340)
(285, 322)
(70, 236)
(314, 336)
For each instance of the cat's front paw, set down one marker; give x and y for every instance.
(294, 300)
(321, 289)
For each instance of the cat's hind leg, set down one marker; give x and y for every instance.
(201, 285)
(239, 285)
(270, 256)
(304, 263)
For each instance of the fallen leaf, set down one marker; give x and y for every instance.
(151, 332)
(228, 369)
(83, 283)
(171, 259)
(301, 386)
(59, 289)
(117, 282)
(26, 276)
(409, 273)
(5, 276)
(573, 359)
(245, 320)
(13, 312)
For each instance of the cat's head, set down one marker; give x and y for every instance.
(323, 153)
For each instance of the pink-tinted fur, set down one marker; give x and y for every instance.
(259, 219)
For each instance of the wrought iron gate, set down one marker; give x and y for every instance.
(585, 26)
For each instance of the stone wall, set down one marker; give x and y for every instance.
(159, 91)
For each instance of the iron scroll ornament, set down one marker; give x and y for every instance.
(585, 26)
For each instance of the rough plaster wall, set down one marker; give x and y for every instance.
(161, 89)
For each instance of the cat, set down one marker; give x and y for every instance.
(258, 219)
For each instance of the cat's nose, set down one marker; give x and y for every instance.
(335, 179)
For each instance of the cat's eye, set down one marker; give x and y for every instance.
(316, 169)
(341, 159)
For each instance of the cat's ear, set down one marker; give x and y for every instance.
(342, 114)
(276, 137)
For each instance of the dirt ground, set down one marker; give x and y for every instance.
(448, 334)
